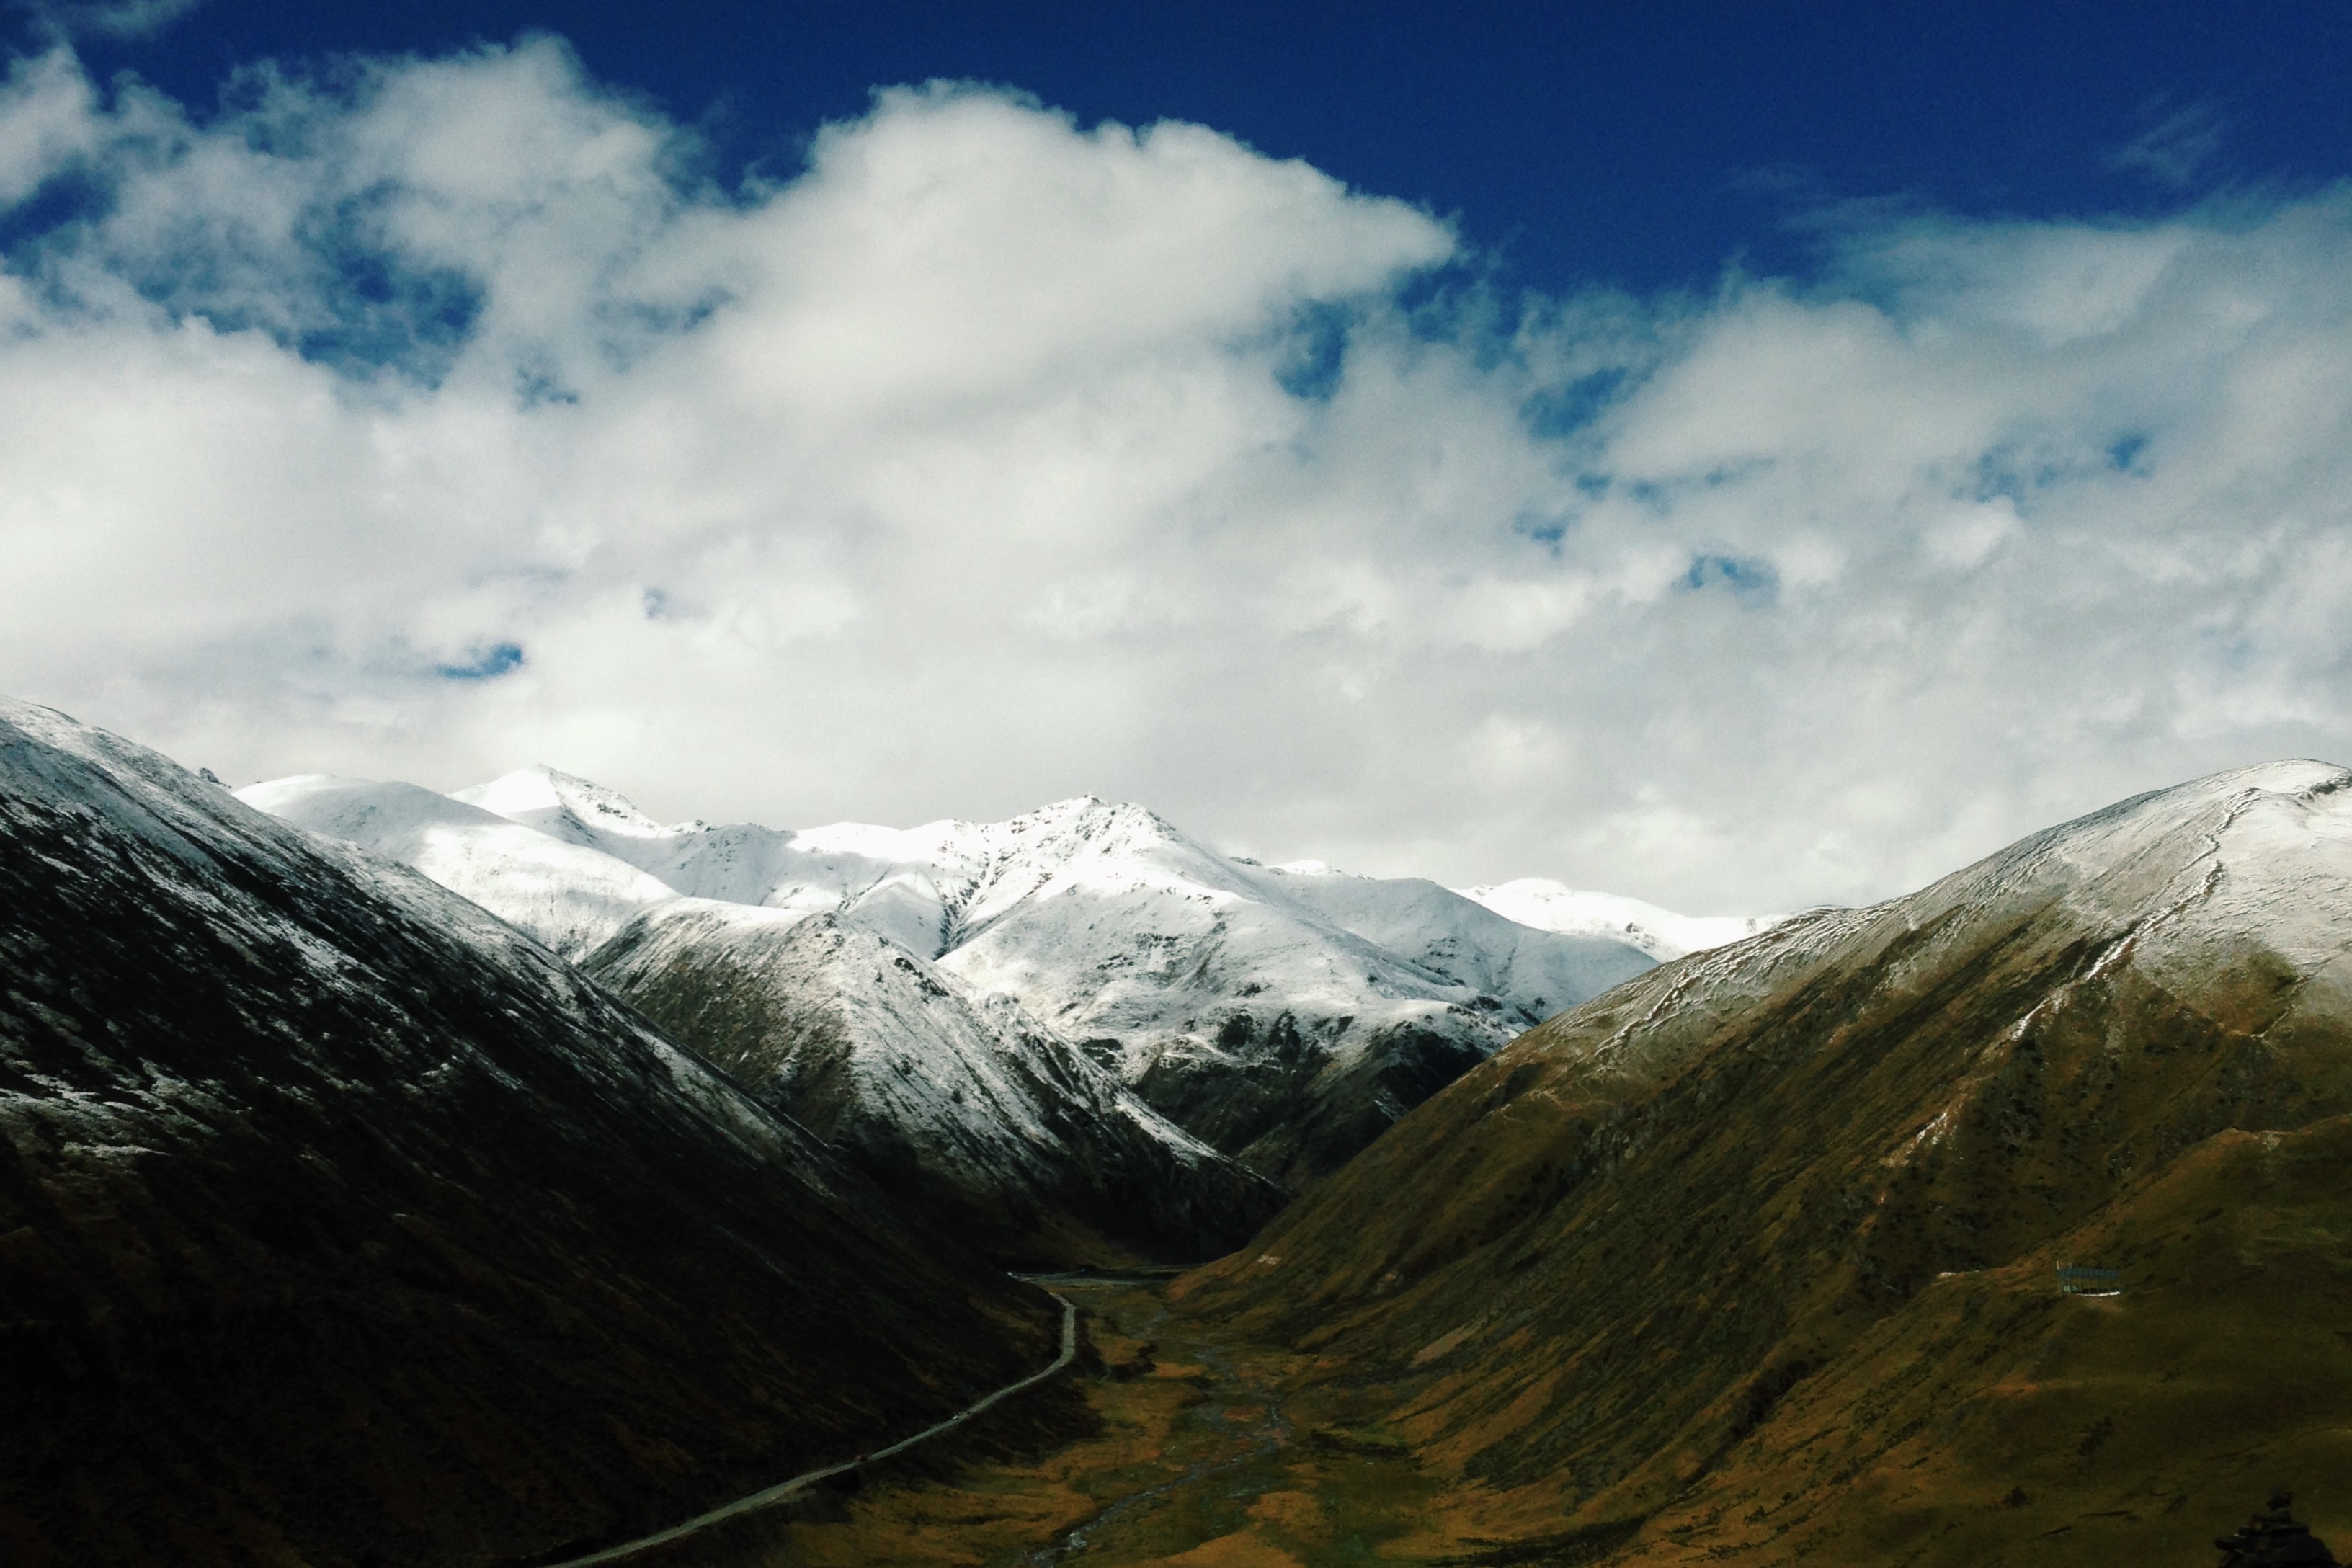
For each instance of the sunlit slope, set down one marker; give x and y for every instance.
(1757, 1248)
(340, 1223)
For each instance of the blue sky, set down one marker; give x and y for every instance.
(1736, 456)
(1639, 145)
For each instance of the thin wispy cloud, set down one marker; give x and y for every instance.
(121, 19)
(2176, 151)
(445, 418)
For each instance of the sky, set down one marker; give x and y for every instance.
(1737, 456)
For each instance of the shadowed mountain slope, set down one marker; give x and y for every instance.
(1753, 1257)
(962, 1107)
(340, 1224)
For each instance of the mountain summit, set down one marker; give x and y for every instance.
(1759, 1255)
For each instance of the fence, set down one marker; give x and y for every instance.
(2073, 1280)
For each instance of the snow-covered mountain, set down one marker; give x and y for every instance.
(1286, 1016)
(957, 1101)
(340, 1222)
(569, 897)
(1662, 933)
(1458, 938)
(964, 1106)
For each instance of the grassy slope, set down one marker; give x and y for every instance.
(1755, 1252)
(1992, 1420)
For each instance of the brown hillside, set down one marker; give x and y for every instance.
(1753, 1257)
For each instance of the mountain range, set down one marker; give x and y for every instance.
(970, 1115)
(1080, 1029)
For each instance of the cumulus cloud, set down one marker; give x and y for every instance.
(442, 415)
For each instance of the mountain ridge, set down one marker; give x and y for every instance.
(1752, 1254)
(345, 1222)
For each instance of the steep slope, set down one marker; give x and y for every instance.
(1225, 993)
(569, 896)
(1663, 934)
(340, 1224)
(966, 1111)
(1753, 1257)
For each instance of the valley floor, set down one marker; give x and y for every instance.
(1175, 1439)
(1187, 1453)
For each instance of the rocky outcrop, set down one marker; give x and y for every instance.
(2272, 1538)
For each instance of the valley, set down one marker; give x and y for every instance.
(2130, 1428)
(500, 1203)
(1175, 786)
(1763, 1257)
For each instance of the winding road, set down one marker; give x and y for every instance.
(784, 1490)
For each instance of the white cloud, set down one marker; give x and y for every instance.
(972, 468)
(45, 122)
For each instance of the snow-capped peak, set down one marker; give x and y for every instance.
(566, 806)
